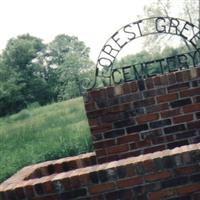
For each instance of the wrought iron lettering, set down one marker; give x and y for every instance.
(132, 31)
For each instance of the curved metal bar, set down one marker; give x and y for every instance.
(105, 71)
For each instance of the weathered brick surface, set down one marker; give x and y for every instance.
(167, 102)
(169, 174)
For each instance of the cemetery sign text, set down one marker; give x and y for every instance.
(149, 26)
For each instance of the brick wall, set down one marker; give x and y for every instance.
(36, 175)
(145, 136)
(167, 175)
(145, 116)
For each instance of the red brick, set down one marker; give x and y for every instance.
(183, 118)
(157, 140)
(167, 98)
(181, 102)
(133, 145)
(110, 92)
(124, 155)
(164, 79)
(93, 122)
(90, 106)
(19, 192)
(2, 195)
(157, 108)
(157, 80)
(154, 149)
(38, 189)
(149, 83)
(110, 118)
(179, 76)
(114, 133)
(102, 159)
(188, 189)
(193, 125)
(135, 153)
(29, 191)
(133, 86)
(158, 176)
(48, 187)
(144, 102)
(144, 143)
(169, 138)
(100, 152)
(196, 99)
(170, 113)
(118, 149)
(96, 197)
(191, 108)
(111, 158)
(187, 158)
(119, 108)
(96, 113)
(100, 129)
(124, 194)
(103, 144)
(97, 137)
(190, 92)
(126, 88)
(158, 195)
(148, 164)
(196, 196)
(187, 134)
(171, 78)
(178, 87)
(58, 167)
(74, 182)
(188, 170)
(66, 183)
(96, 93)
(186, 75)
(124, 123)
(147, 118)
(154, 92)
(84, 179)
(130, 170)
(52, 197)
(128, 139)
(72, 164)
(101, 188)
(129, 182)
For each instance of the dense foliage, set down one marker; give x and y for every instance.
(31, 71)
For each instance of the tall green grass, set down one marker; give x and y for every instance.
(44, 133)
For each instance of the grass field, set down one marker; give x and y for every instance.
(44, 133)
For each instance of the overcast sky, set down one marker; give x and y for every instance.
(93, 21)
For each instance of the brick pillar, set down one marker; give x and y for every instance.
(144, 116)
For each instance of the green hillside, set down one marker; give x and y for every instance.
(43, 133)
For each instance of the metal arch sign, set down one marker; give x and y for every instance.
(158, 25)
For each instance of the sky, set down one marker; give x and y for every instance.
(92, 21)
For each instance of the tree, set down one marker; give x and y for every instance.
(69, 58)
(25, 82)
(11, 99)
(20, 52)
(31, 71)
(161, 47)
(188, 10)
